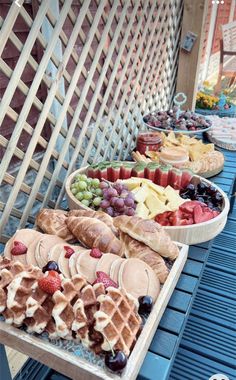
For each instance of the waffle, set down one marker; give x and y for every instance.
(18, 291)
(62, 311)
(117, 320)
(84, 310)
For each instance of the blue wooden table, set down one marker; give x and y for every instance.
(196, 337)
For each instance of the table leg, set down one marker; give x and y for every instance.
(4, 366)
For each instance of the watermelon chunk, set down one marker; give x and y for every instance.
(150, 170)
(138, 170)
(161, 175)
(174, 178)
(126, 170)
(91, 171)
(113, 171)
(187, 175)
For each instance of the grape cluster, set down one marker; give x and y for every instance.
(87, 190)
(117, 199)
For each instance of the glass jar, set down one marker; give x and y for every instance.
(148, 141)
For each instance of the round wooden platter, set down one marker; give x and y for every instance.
(211, 173)
(190, 235)
(225, 144)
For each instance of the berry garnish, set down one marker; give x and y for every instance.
(51, 265)
(116, 360)
(96, 253)
(105, 280)
(201, 187)
(51, 283)
(69, 251)
(145, 304)
(18, 249)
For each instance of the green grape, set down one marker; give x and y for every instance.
(98, 192)
(85, 202)
(73, 190)
(97, 201)
(88, 195)
(82, 185)
(83, 177)
(73, 186)
(89, 180)
(79, 196)
(78, 177)
(95, 182)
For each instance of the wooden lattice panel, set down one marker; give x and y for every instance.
(76, 79)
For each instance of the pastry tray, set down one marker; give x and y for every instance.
(75, 361)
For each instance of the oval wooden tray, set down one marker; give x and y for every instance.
(193, 234)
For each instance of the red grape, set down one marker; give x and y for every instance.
(119, 204)
(105, 203)
(103, 185)
(129, 211)
(111, 192)
(129, 202)
(110, 211)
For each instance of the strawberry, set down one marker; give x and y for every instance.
(69, 251)
(188, 206)
(96, 253)
(105, 280)
(51, 283)
(18, 249)
(202, 214)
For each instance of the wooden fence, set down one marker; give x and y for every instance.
(88, 71)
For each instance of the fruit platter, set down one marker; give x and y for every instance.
(191, 208)
(182, 151)
(185, 122)
(84, 293)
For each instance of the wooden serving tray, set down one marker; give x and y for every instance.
(62, 360)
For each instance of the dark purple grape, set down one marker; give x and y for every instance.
(129, 202)
(111, 192)
(51, 265)
(145, 304)
(200, 199)
(110, 211)
(217, 199)
(104, 203)
(129, 211)
(211, 190)
(113, 201)
(103, 185)
(201, 188)
(116, 362)
(210, 205)
(119, 204)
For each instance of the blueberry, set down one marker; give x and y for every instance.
(201, 187)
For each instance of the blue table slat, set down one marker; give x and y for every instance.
(216, 342)
(189, 365)
(172, 321)
(187, 283)
(154, 367)
(180, 301)
(215, 308)
(193, 268)
(163, 344)
(225, 260)
(197, 253)
(225, 243)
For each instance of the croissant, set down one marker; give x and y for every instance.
(134, 249)
(148, 232)
(105, 218)
(53, 222)
(94, 233)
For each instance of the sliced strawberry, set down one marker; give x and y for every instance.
(18, 249)
(51, 283)
(69, 251)
(188, 206)
(105, 280)
(96, 253)
(202, 214)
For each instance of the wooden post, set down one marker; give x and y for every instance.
(189, 63)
